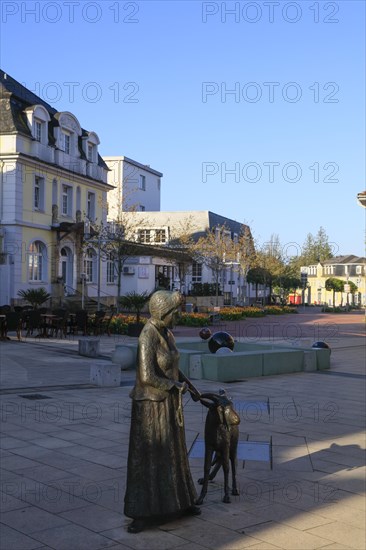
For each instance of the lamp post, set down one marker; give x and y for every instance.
(231, 264)
(83, 277)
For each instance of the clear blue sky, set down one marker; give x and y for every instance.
(137, 73)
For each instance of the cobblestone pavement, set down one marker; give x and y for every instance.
(63, 453)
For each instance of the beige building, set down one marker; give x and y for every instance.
(52, 179)
(350, 269)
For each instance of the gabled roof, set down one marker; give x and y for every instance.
(14, 99)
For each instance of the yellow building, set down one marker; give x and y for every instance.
(52, 179)
(350, 269)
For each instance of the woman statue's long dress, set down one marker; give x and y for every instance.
(159, 481)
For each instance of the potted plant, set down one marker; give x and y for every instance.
(135, 302)
(35, 296)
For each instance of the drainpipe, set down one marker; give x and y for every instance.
(1, 189)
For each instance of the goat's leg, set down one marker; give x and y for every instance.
(234, 490)
(217, 463)
(225, 467)
(233, 455)
(206, 474)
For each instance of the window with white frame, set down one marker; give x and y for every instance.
(196, 272)
(144, 235)
(160, 236)
(90, 153)
(66, 137)
(90, 265)
(110, 268)
(38, 130)
(38, 193)
(66, 200)
(358, 269)
(38, 118)
(90, 207)
(36, 261)
(142, 182)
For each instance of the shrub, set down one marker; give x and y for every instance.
(232, 313)
(119, 323)
(253, 312)
(135, 302)
(35, 296)
(193, 319)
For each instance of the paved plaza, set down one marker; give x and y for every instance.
(64, 448)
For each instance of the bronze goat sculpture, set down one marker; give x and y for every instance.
(221, 437)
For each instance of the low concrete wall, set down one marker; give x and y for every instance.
(234, 366)
(246, 361)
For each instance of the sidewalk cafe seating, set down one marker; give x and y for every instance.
(13, 323)
(96, 322)
(79, 322)
(32, 321)
(59, 323)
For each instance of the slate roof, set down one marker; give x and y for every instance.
(216, 220)
(14, 99)
(351, 259)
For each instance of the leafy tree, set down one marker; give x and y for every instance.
(258, 276)
(269, 259)
(35, 296)
(287, 283)
(334, 285)
(245, 252)
(215, 249)
(352, 290)
(116, 242)
(316, 248)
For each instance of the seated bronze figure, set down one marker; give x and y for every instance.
(159, 481)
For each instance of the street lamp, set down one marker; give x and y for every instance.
(231, 264)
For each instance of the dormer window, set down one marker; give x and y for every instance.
(67, 133)
(90, 146)
(38, 119)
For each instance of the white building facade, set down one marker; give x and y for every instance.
(137, 186)
(163, 228)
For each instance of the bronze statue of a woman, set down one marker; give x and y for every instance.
(159, 481)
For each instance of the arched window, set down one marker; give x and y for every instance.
(37, 261)
(90, 265)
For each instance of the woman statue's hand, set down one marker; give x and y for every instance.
(181, 386)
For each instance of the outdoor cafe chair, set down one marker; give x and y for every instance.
(96, 322)
(33, 321)
(59, 323)
(79, 322)
(13, 323)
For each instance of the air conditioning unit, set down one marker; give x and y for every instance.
(128, 270)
